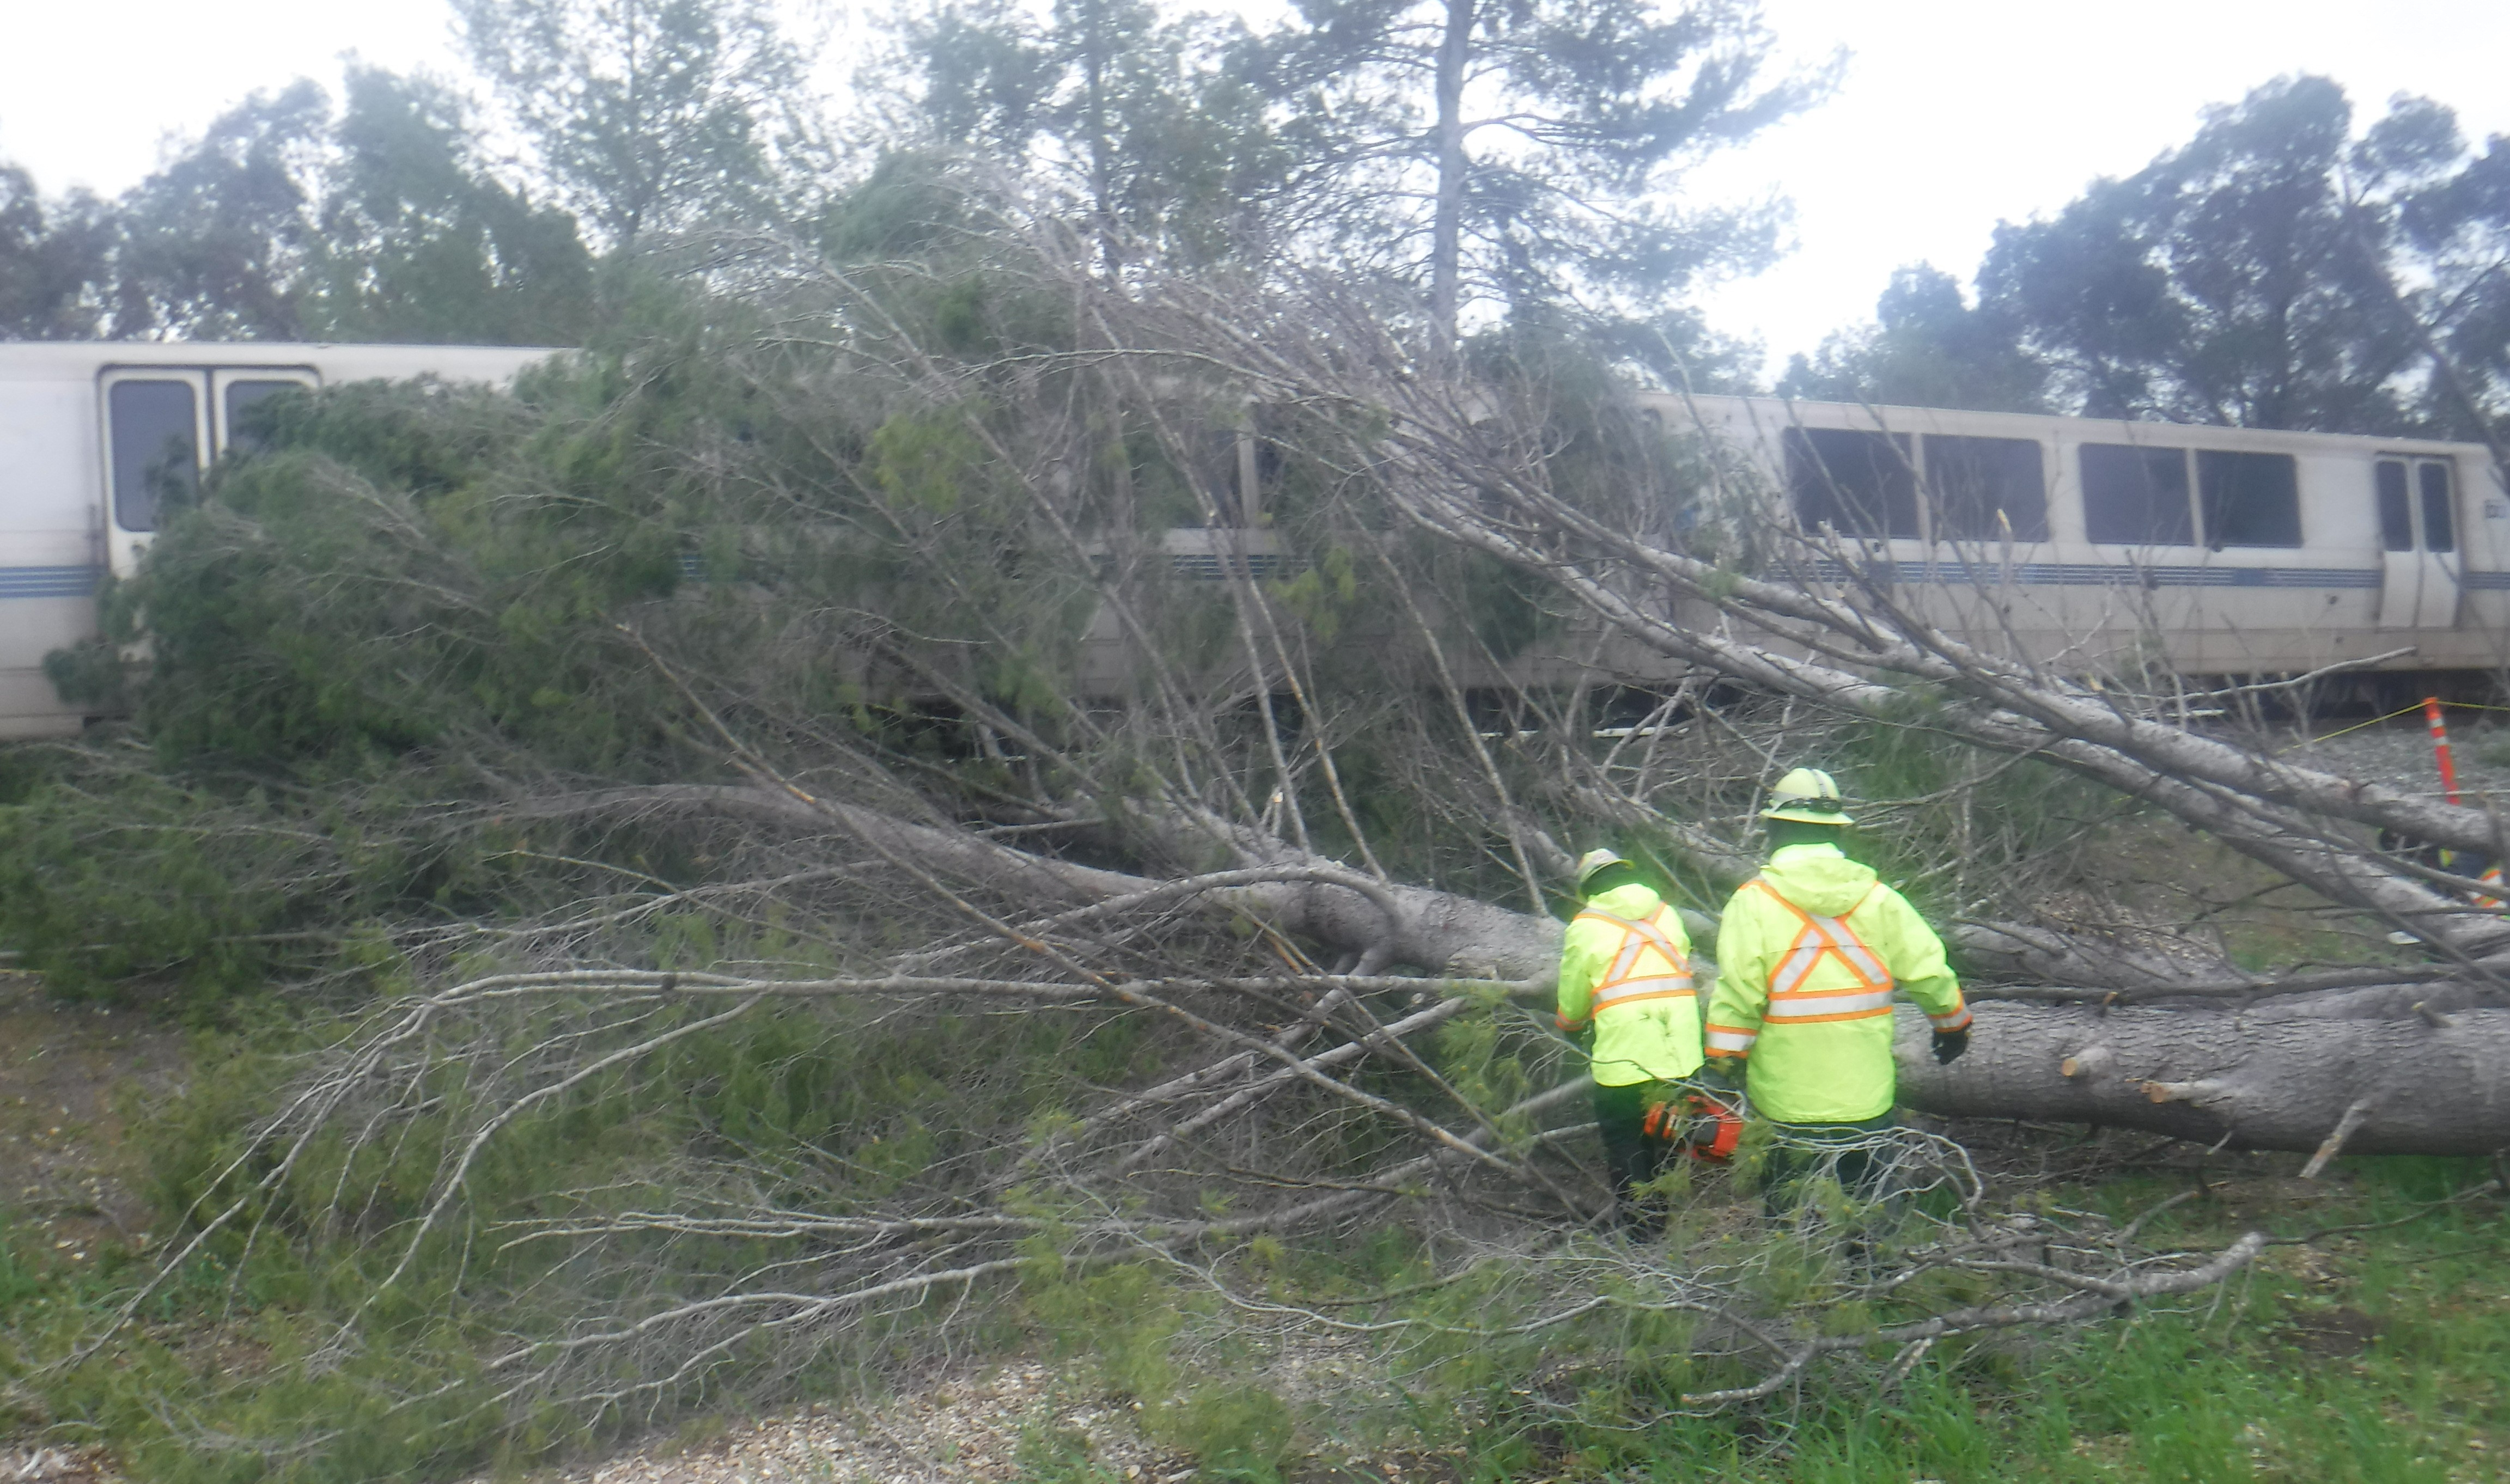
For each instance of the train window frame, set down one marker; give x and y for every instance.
(1821, 503)
(2168, 515)
(2441, 503)
(133, 468)
(2394, 504)
(260, 385)
(1955, 519)
(2248, 498)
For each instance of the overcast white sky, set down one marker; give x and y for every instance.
(1953, 113)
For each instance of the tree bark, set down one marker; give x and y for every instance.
(2270, 1078)
(1447, 224)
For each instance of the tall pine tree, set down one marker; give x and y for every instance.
(1527, 150)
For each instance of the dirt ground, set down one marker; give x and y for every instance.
(68, 1075)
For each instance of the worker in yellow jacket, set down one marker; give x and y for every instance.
(1808, 955)
(1625, 976)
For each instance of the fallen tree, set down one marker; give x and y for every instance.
(2393, 1059)
(715, 1006)
(2378, 1060)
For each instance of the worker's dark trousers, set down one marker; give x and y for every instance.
(1634, 1157)
(1808, 1151)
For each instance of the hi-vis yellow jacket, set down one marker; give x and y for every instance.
(1625, 966)
(1808, 956)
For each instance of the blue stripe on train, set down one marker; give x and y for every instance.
(48, 582)
(2053, 574)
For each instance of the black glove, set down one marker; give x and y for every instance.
(1948, 1044)
(1724, 1073)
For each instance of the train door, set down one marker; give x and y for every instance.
(2419, 583)
(162, 427)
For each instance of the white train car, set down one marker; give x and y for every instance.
(91, 432)
(2082, 542)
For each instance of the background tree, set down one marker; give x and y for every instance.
(285, 221)
(1127, 107)
(221, 242)
(2257, 275)
(1521, 151)
(2416, 185)
(1927, 348)
(421, 242)
(654, 115)
(53, 257)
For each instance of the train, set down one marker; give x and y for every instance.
(94, 433)
(2080, 543)
(2155, 552)
(2179, 548)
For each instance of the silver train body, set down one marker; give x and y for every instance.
(91, 432)
(2083, 542)
(2089, 545)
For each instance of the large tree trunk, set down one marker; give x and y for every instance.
(2272, 1077)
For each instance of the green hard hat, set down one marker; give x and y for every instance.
(1595, 860)
(1809, 796)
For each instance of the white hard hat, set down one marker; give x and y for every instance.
(1809, 796)
(1595, 860)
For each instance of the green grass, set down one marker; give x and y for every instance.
(2381, 1357)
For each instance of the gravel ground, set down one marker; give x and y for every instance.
(959, 1428)
(969, 1427)
(2399, 753)
(55, 1465)
(962, 1427)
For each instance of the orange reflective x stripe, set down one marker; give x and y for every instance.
(1818, 939)
(1629, 979)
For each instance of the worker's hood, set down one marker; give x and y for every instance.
(1633, 902)
(1819, 878)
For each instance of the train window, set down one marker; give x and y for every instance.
(2250, 499)
(1856, 484)
(2396, 521)
(2135, 496)
(2440, 529)
(156, 448)
(1974, 479)
(244, 431)
(1215, 475)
